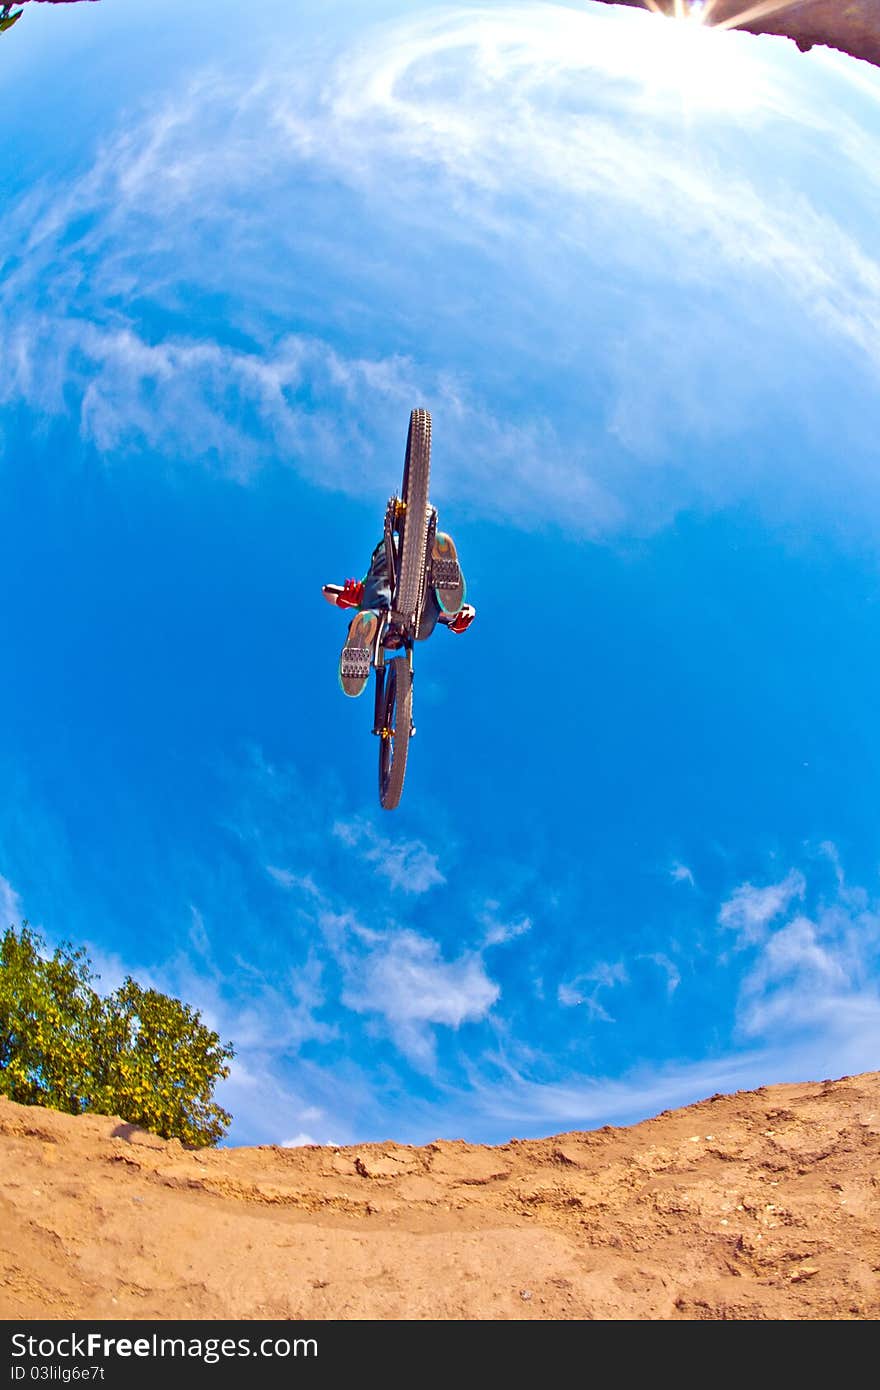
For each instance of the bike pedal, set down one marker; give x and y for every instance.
(355, 662)
(445, 574)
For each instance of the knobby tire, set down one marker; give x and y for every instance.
(394, 747)
(416, 480)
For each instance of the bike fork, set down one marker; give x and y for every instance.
(381, 670)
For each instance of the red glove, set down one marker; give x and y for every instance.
(352, 594)
(462, 621)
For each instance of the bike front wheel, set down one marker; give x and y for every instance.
(414, 539)
(394, 734)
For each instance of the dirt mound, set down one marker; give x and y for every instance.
(762, 1204)
(853, 27)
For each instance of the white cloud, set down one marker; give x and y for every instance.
(572, 993)
(268, 1015)
(10, 905)
(819, 975)
(332, 417)
(198, 400)
(669, 968)
(680, 873)
(749, 910)
(568, 996)
(406, 980)
(499, 120)
(608, 974)
(510, 1095)
(408, 865)
(794, 952)
(267, 1099)
(570, 109)
(285, 878)
(499, 931)
(831, 853)
(303, 1140)
(808, 1008)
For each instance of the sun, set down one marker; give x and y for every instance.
(691, 11)
(708, 67)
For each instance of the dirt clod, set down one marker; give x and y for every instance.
(771, 1210)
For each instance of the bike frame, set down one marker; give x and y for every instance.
(380, 665)
(390, 620)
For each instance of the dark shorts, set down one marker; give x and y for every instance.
(377, 593)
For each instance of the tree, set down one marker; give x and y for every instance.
(7, 19)
(47, 1009)
(156, 1065)
(135, 1053)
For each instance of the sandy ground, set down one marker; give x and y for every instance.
(762, 1204)
(853, 26)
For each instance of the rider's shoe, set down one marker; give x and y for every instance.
(446, 575)
(357, 654)
(349, 596)
(463, 619)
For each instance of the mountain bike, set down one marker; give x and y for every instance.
(410, 569)
(410, 524)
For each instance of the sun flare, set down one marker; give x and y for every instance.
(694, 11)
(705, 65)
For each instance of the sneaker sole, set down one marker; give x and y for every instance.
(446, 575)
(356, 656)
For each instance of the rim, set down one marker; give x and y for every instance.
(388, 720)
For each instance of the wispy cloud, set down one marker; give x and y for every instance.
(335, 998)
(378, 962)
(680, 873)
(808, 1007)
(500, 929)
(302, 1140)
(509, 1095)
(10, 905)
(496, 114)
(268, 1016)
(408, 865)
(819, 975)
(603, 975)
(500, 118)
(404, 978)
(749, 910)
(668, 967)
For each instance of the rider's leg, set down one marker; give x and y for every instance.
(372, 596)
(377, 585)
(430, 616)
(373, 591)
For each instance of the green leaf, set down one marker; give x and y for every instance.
(138, 1054)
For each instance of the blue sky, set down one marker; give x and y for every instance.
(634, 272)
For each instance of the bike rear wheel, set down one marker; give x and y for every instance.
(414, 526)
(395, 732)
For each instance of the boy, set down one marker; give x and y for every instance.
(444, 603)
